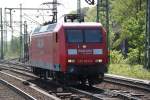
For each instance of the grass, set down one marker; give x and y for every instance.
(134, 71)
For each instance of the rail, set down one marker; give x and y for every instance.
(17, 90)
(130, 82)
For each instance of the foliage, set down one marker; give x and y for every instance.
(116, 57)
(133, 57)
(130, 21)
(91, 15)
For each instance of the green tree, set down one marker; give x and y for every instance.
(129, 17)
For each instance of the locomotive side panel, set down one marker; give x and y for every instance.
(41, 51)
(47, 50)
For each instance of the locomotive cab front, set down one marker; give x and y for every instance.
(86, 52)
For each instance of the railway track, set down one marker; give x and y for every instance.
(11, 92)
(83, 92)
(19, 79)
(51, 87)
(141, 84)
(31, 89)
(134, 83)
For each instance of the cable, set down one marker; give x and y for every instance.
(31, 19)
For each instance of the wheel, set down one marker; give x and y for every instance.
(90, 82)
(45, 74)
(35, 71)
(53, 76)
(83, 81)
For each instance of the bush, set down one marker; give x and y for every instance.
(133, 57)
(116, 57)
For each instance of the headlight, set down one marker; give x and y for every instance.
(71, 60)
(72, 51)
(98, 60)
(97, 51)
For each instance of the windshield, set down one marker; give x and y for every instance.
(83, 35)
(74, 36)
(92, 35)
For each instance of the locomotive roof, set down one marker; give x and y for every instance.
(56, 26)
(82, 24)
(45, 28)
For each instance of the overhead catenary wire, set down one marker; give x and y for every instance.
(31, 19)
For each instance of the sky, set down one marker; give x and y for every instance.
(66, 7)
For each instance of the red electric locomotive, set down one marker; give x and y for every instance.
(70, 52)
